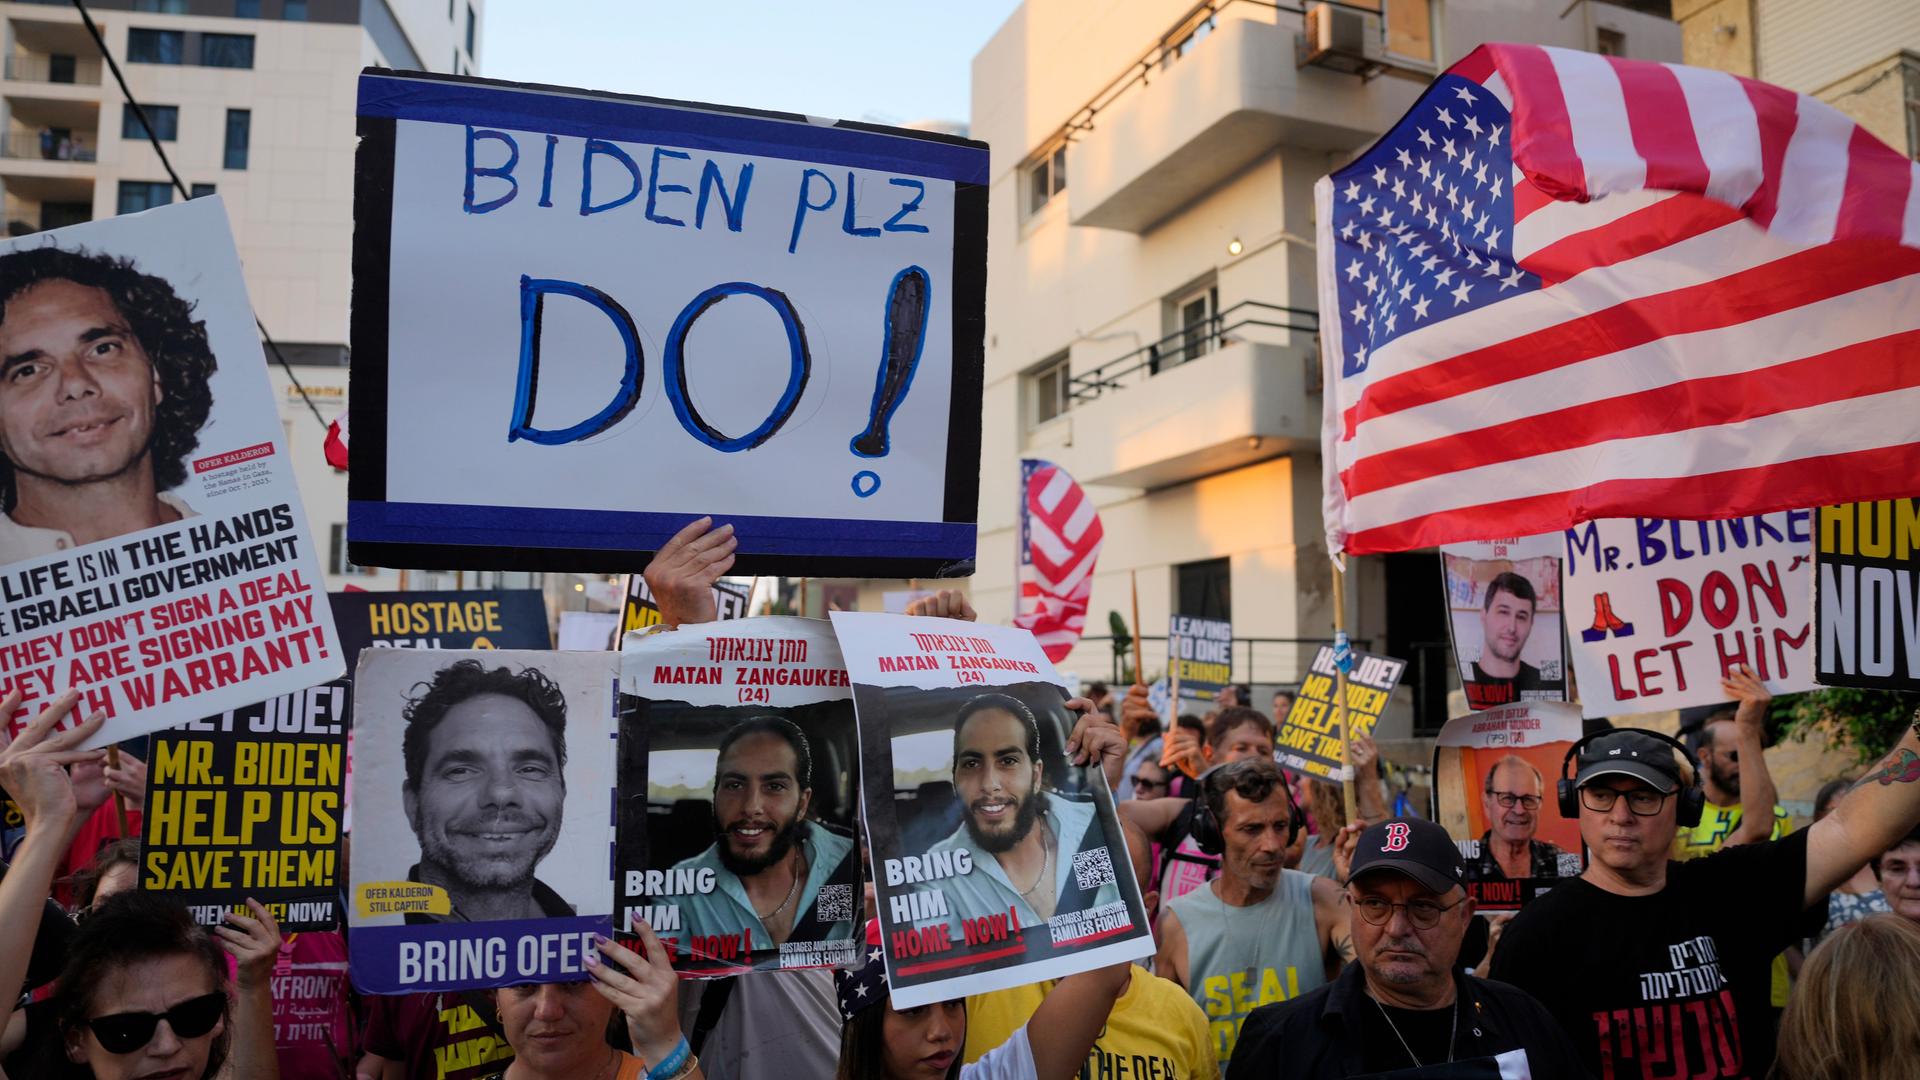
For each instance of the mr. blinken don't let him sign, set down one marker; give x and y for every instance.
(581, 320)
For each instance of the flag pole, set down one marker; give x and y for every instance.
(1342, 660)
(119, 800)
(1139, 673)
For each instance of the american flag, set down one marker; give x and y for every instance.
(1572, 286)
(1059, 542)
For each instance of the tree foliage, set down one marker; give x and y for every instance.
(1866, 722)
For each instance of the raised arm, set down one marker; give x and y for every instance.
(1369, 784)
(1152, 816)
(683, 571)
(255, 943)
(33, 769)
(1881, 807)
(1096, 741)
(1071, 1018)
(1756, 783)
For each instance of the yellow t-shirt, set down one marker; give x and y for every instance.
(1155, 1029)
(1716, 824)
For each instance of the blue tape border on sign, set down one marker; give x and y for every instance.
(628, 530)
(401, 98)
(374, 951)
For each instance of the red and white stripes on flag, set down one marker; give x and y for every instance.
(1706, 304)
(1059, 543)
(335, 448)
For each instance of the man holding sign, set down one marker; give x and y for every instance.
(103, 390)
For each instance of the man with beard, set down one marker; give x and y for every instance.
(1740, 807)
(104, 387)
(768, 860)
(484, 750)
(1500, 677)
(1508, 849)
(1022, 839)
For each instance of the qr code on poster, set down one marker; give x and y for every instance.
(835, 903)
(1092, 869)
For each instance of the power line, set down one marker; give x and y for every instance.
(153, 137)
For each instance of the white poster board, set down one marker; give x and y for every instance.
(154, 555)
(581, 321)
(1503, 613)
(1659, 611)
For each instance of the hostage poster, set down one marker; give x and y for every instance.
(996, 862)
(1494, 775)
(1503, 612)
(1867, 595)
(799, 355)
(154, 555)
(466, 619)
(249, 803)
(737, 818)
(492, 771)
(1659, 611)
(1201, 656)
(1308, 741)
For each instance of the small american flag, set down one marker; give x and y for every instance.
(1572, 286)
(1059, 542)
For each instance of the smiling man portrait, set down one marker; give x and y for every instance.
(104, 387)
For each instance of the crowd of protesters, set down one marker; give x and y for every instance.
(1704, 934)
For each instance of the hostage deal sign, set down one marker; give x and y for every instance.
(782, 317)
(1659, 611)
(1868, 595)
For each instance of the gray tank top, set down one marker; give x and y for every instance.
(1240, 958)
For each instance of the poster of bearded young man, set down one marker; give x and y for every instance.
(480, 787)
(997, 860)
(736, 816)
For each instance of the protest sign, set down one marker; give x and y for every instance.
(499, 765)
(1202, 656)
(1867, 595)
(799, 354)
(1307, 741)
(1660, 611)
(735, 836)
(1494, 776)
(468, 619)
(729, 601)
(154, 556)
(248, 804)
(1503, 611)
(967, 789)
(586, 630)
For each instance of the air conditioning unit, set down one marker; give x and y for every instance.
(1341, 39)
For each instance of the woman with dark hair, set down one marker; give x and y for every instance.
(880, 1042)
(115, 869)
(143, 992)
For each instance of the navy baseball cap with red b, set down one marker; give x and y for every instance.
(1416, 848)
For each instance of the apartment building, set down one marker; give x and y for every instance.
(1861, 57)
(254, 100)
(1151, 304)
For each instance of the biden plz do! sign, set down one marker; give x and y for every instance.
(582, 320)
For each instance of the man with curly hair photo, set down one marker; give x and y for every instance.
(485, 752)
(104, 387)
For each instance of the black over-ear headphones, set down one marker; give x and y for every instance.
(1693, 797)
(1206, 827)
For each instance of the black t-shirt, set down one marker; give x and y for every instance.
(1672, 984)
(1426, 1033)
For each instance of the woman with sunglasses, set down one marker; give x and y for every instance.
(143, 993)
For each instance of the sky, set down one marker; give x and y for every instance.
(887, 62)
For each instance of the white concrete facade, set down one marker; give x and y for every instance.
(1195, 184)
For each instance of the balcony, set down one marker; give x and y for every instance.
(81, 146)
(1225, 102)
(60, 70)
(1240, 388)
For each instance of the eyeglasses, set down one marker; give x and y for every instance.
(123, 1033)
(1507, 798)
(1423, 914)
(1644, 802)
(1141, 780)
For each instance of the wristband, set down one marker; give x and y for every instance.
(677, 1063)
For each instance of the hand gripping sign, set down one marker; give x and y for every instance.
(581, 320)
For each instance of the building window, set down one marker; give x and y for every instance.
(294, 10)
(472, 22)
(156, 46)
(162, 7)
(226, 50)
(1204, 589)
(337, 561)
(1183, 41)
(1194, 315)
(239, 133)
(138, 195)
(1046, 178)
(199, 191)
(246, 9)
(1608, 42)
(165, 120)
(1051, 388)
